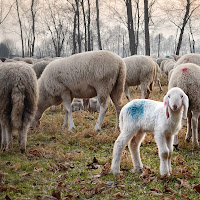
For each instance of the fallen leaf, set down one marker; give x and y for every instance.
(7, 197)
(38, 169)
(167, 189)
(184, 183)
(56, 194)
(184, 196)
(118, 195)
(197, 187)
(106, 168)
(13, 188)
(68, 197)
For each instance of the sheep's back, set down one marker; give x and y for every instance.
(94, 69)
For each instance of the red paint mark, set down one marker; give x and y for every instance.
(184, 69)
(165, 103)
(187, 59)
(18, 68)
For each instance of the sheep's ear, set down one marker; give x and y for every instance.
(166, 104)
(186, 105)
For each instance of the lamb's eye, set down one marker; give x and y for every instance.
(181, 96)
(168, 96)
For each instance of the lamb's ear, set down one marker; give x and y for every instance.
(186, 105)
(166, 104)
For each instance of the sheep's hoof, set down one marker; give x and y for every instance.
(176, 147)
(97, 128)
(22, 151)
(71, 128)
(165, 176)
(195, 143)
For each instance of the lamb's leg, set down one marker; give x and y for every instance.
(170, 147)
(127, 93)
(103, 108)
(134, 147)
(119, 145)
(163, 153)
(159, 84)
(189, 126)
(195, 117)
(23, 138)
(67, 100)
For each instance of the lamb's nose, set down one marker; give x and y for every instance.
(175, 107)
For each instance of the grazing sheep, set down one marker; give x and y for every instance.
(77, 104)
(157, 76)
(187, 77)
(139, 116)
(168, 66)
(19, 96)
(140, 70)
(94, 105)
(189, 58)
(83, 75)
(39, 67)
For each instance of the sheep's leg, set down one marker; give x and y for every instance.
(67, 100)
(118, 109)
(170, 147)
(119, 145)
(3, 138)
(23, 138)
(144, 91)
(127, 93)
(6, 139)
(103, 109)
(159, 84)
(163, 153)
(85, 104)
(189, 126)
(195, 117)
(134, 147)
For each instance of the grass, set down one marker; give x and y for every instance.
(60, 163)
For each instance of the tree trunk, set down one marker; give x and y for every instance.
(158, 45)
(74, 35)
(185, 20)
(33, 29)
(21, 31)
(85, 25)
(130, 26)
(78, 26)
(89, 39)
(146, 22)
(138, 27)
(98, 27)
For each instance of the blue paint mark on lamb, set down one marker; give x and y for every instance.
(136, 110)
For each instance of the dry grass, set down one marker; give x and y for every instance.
(62, 164)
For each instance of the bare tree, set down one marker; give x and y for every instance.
(146, 28)
(21, 28)
(131, 32)
(88, 27)
(4, 15)
(85, 23)
(98, 26)
(184, 13)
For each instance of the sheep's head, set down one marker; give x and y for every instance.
(175, 99)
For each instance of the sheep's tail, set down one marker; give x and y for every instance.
(118, 88)
(17, 96)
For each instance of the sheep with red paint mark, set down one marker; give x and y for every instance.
(189, 58)
(162, 118)
(187, 77)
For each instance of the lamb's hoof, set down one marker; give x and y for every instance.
(164, 176)
(176, 147)
(97, 128)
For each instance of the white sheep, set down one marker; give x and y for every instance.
(140, 70)
(83, 75)
(19, 96)
(187, 77)
(77, 104)
(94, 105)
(139, 116)
(189, 58)
(39, 67)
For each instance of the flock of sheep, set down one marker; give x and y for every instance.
(29, 86)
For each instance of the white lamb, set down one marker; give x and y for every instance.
(164, 119)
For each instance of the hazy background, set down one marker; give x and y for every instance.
(53, 16)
